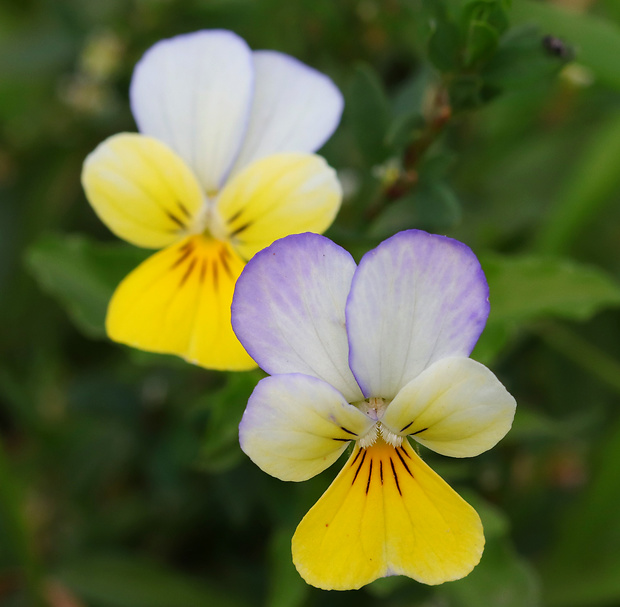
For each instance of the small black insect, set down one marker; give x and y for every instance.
(557, 47)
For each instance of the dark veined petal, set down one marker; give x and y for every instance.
(387, 513)
(178, 302)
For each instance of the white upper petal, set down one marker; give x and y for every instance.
(295, 426)
(295, 108)
(288, 310)
(194, 93)
(456, 407)
(415, 299)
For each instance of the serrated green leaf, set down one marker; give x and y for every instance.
(369, 114)
(525, 288)
(82, 275)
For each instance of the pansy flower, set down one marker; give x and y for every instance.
(375, 355)
(221, 168)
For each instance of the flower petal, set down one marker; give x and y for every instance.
(295, 108)
(288, 310)
(456, 407)
(141, 190)
(295, 426)
(178, 302)
(194, 93)
(387, 513)
(415, 299)
(276, 196)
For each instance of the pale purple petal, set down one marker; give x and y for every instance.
(415, 299)
(295, 426)
(194, 93)
(295, 108)
(288, 310)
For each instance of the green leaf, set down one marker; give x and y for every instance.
(528, 288)
(482, 42)
(597, 41)
(120, 581)
(492, 12)
(82, 275)
(525, 288)
(370, 115)
(521, 60)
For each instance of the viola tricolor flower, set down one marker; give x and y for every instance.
(221, 168)
(377, 355)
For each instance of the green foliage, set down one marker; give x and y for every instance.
(597, 40)
(117, 581)
(570, 579)
(530, 288)
(370, 115)
(593, 184)
(82, 275)
(122, 483)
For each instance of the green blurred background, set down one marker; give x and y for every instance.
(121, 480)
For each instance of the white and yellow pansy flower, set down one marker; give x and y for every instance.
(221, 168)
(377, 355)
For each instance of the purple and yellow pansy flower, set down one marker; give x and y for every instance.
(375, 355)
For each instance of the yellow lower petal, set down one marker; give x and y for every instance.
(178, 302)
(387, 513)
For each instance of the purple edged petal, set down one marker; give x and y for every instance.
(415, 299)
(194, 93)
(288, 310)
(295, 426)
(295, 108)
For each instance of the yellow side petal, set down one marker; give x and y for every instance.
(178, 302)
(141, 190)
(276, 196)
(387, 513)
